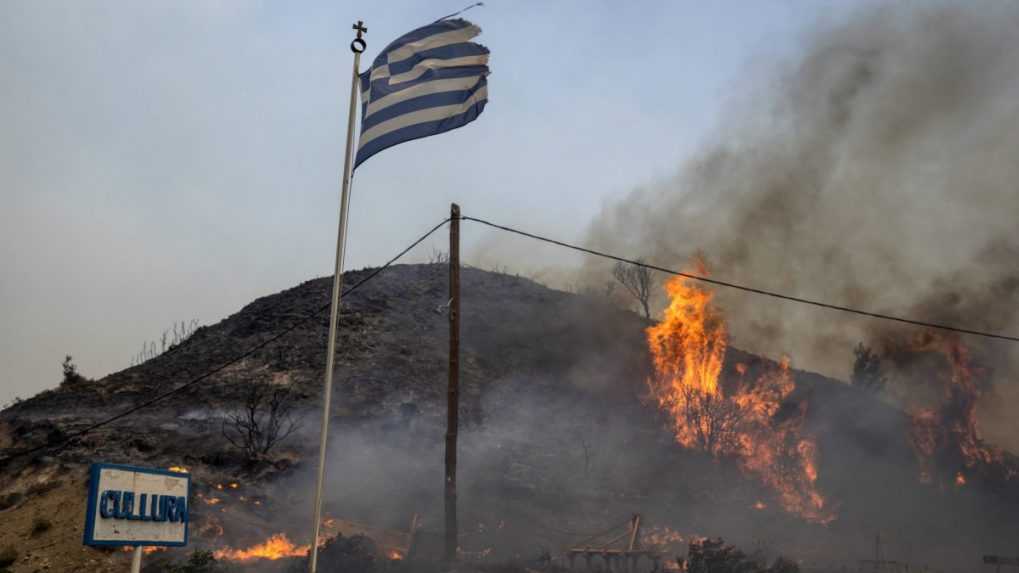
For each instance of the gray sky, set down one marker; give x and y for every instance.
(167, 161)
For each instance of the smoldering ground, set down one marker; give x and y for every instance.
(877, 171)
(564, 445)
(546, 466)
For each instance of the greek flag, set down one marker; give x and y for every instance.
(427, 82)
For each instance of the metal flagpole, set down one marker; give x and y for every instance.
(357, 46)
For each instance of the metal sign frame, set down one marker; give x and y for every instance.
(93, 494)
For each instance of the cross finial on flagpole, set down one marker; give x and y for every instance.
(358, 44)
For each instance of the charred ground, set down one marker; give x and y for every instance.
(558, 438)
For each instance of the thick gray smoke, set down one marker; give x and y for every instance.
(880, 171)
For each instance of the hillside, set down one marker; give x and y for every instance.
(558, 435)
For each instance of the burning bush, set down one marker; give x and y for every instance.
(749, 419)
(276, 547)
(945, 429)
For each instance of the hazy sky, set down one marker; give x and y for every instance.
(167, 161)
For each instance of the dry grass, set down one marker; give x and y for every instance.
(47, 531)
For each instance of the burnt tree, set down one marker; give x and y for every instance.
(636, 279)
(867, 372)
(265, 421)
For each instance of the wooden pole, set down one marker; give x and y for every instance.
(412, 537)
(453, 392)
(635, 524)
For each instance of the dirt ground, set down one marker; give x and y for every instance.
(58, 548)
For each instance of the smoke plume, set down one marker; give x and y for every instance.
(878, 171)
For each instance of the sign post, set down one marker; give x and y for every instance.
(137, 507)
(136, 560)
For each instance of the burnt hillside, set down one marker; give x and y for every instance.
(558, 436)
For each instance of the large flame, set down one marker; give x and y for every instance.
(737, 419)
(278, 546)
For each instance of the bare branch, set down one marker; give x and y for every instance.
(636, 279)
(265, 421)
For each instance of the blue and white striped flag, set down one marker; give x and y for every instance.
(427, 82)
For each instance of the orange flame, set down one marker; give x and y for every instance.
(663, 537)
(276, 547)
(394, 555)
(147, 549)
(209, 500)
(688, 348)
(949, 433)
(178, 469)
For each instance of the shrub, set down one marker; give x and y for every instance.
(199, 562)
(10, 500)
(266, 421)
(354, 554)
(8, 555)
(42, 488)
(40, 525)
(714, 556)
(867, 370)
(71, 375)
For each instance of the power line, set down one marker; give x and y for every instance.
(743, 287)
(76, 435)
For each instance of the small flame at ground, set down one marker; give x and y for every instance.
(394, 555)
(178, 469)
(276, 547)
(146, 549)
(210, 500)
(960, 480)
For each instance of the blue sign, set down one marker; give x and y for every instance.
(129, 505)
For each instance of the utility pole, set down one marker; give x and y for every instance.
(878, 561)
(453, 393)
